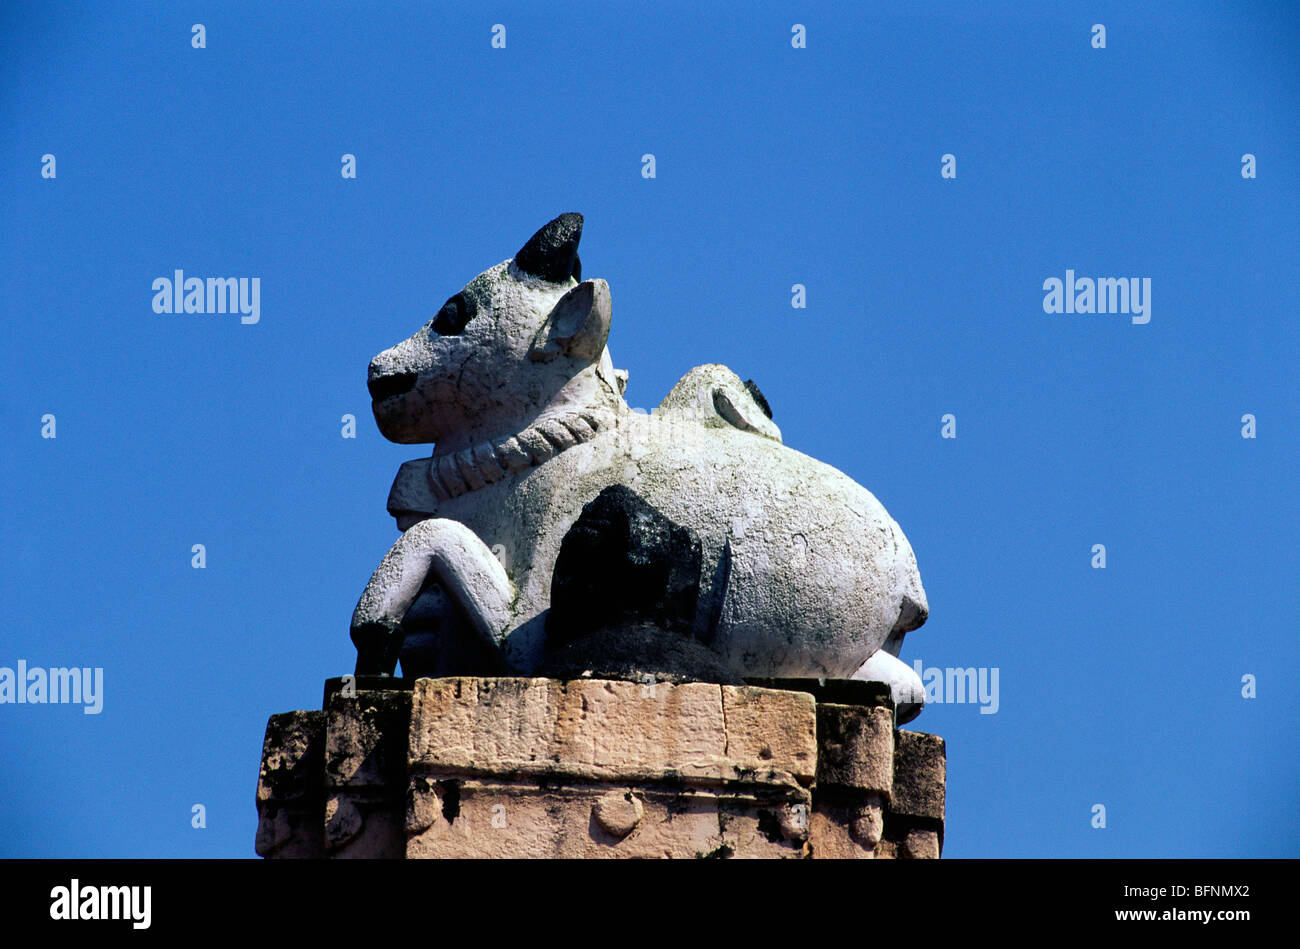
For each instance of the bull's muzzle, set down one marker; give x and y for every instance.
(385, 387)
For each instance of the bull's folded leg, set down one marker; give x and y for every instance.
(469, 573)
(905, 686)
(377, 648)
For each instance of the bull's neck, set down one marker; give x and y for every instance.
(588, 393)
(453, 473)
(591, 403)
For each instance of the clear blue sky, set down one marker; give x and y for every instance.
(775, 166)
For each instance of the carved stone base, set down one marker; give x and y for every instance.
(513, 767)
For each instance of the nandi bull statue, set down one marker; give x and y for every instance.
(556, 531)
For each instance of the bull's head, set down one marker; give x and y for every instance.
(520, 340)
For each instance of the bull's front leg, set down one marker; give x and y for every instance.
(467, 570)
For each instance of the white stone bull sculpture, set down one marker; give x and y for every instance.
(802, 571)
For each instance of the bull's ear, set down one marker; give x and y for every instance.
(552, 253)
(745, 409)
(577, 326)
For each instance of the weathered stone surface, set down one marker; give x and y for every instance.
(289, 833)
(292, 752)
(365, 740)
(592, 768)
(289, 795)
(855, 748)
(921, 845)
(772, 728)
(365, 774)
(841, 831)
(513, 820)
(510, 767)
(867, 821)
(618, 813)
(343, 820)
(604, 730)
(920, 775)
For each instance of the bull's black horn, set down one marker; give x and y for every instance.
(552, 252)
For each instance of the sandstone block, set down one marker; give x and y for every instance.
(482, 818)
(365, 774)
(767, 725)
(921, 845)
(855, 748)
(365, 740)
(920, 775)
(289, 796)
(586, 768)
(847, 830)
(602, 730)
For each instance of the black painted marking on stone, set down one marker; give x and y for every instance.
(454, 315)
(450, 799)
(835, 691)
(757, 395)
(717, 594)
(637, 651)
(378, 645)
(623, 560)
(770, 827)
(552, 253)
(384, 387)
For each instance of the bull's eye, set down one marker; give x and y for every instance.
(453, 316)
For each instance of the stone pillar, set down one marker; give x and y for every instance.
(914, 824)
(855, 778)
(365, 774)
(290, 793)
(598, 768)
(530, 767)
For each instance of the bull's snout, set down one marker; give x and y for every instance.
(386, 386)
